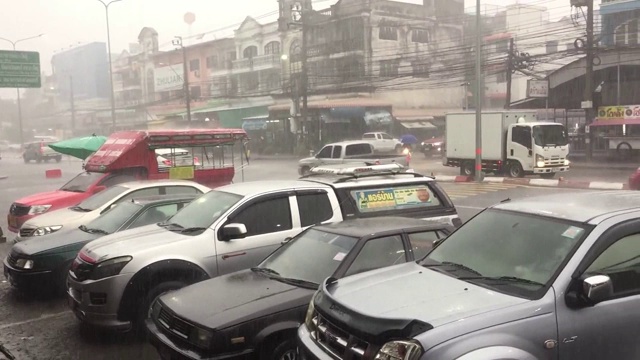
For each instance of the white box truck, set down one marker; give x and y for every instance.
(514, 143)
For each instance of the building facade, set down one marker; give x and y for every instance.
(620, 22)
(88, 68)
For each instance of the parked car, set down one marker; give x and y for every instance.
(43, 263)
(349, 152)
(553, 277)
(40, 151)
(269, 302)
(73, 192)
(99, 203)
(432, 147)
(232, 228)
(382, 142)
(634, 180)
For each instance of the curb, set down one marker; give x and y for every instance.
(595, 185)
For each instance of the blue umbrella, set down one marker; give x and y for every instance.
(409, 139)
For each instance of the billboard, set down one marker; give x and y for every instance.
(19, 69)
(537, 88)
(624, 112)
(168, 78)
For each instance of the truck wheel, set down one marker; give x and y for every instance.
(286, 350)
(515, 170)
(467, 168)
(548, 175)
(144, 309)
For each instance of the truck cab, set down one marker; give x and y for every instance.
(381, 141)
(538, 148)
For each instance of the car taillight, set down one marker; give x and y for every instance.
(167, 162)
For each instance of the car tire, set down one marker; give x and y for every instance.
(144, 309)
(467, 168)
(515, 170)
(286, 350)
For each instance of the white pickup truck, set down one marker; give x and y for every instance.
(348, 152)
(382, 142)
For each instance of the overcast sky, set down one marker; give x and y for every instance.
(66, 23)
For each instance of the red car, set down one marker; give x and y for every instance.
(634, 180)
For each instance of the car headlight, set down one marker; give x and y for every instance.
(46, 230)
(422, 143)
(24, 264)
(400, 350)
(437, 144)
(201, 337)
(39, 209)
(155, 309)
(566, 162)
(539, 161)
(110, 267)
(308, 319)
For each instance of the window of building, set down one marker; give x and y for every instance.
(552, 47)
(388, 68)
(212, 62)
(420, 69)
(250, 52)
(272, 48)
(388, 33)
(195, 92)
(501, 77)
(194, 65)
(249, 81)
(502, 46)
(273, 82)
(295, 51)
(420, 36)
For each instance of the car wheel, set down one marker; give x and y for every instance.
(286, 350)
(515, 170)
(467, 168)
(144, 309)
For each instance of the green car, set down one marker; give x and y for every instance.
(42, 263)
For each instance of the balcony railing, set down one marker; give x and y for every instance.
(257, 62)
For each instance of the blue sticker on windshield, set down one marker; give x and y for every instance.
(572, 232)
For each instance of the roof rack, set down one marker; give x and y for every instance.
(356, 172)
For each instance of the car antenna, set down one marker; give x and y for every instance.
(505, 200)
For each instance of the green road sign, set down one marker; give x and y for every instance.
(19, 69)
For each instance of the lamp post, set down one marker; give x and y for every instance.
(478, 63)
(113, 100)
(13, 44)
(178, 42)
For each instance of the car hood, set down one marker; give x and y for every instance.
(58, 198)
(49, 243)
(65, 217)
(131, 241)
(410, 291)
(307, 160)
(235, 298)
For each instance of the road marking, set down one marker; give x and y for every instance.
(458, 191)
(25, 322)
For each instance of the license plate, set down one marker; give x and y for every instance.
(13, 222)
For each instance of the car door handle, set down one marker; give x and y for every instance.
(229, 256)
(511, 152)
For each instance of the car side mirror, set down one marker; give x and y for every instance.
(233, 231)
(98, 188)
(597, 288)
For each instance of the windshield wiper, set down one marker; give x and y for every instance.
(79, 208)
(456, 265)
(193, 229)
(172, 226)
(508, 279)
(93, 231)
(298, 282)
(74, 190)
(265, 271)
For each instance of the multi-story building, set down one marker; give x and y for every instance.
(87, 65)
(620, 22)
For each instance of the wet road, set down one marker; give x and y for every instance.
(46, 329)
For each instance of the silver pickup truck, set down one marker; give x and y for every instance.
(554, 277)
(349, 151)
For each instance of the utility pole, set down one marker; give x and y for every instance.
(478, 172)
(305, 77)
(588, 87)
(73, 107)
(510, 68)
(178, 42)
(113, 99)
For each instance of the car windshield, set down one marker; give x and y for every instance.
(96, 201)
(113, 219)
(292, 259)
(499, 244)
(82, 182)
(206, 209)
(550, 135)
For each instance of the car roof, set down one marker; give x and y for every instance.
(346, 181)
(250, 188)
(147, 183)
(349, 142)
(160, 199)
(371, 226)
(576, 206)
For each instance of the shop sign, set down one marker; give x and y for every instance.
(625, 112)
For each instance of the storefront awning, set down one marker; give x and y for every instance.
(418, 124)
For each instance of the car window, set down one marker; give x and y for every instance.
(379, 253)
(96, 201)
(82, 181)
(369, 136)
(387, 137)
(325, 153)
(155, 215)
(314, 208)
(266, 217)
(522, 136)
(117, 216)
(206, 209)
(181, 190)
(116, 179)
(621, 262)
(358, 149)
(337, 152)
(152, 191)
(422, 243)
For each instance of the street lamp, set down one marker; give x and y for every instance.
(113, 101)
(14, 43)
(178, 42)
